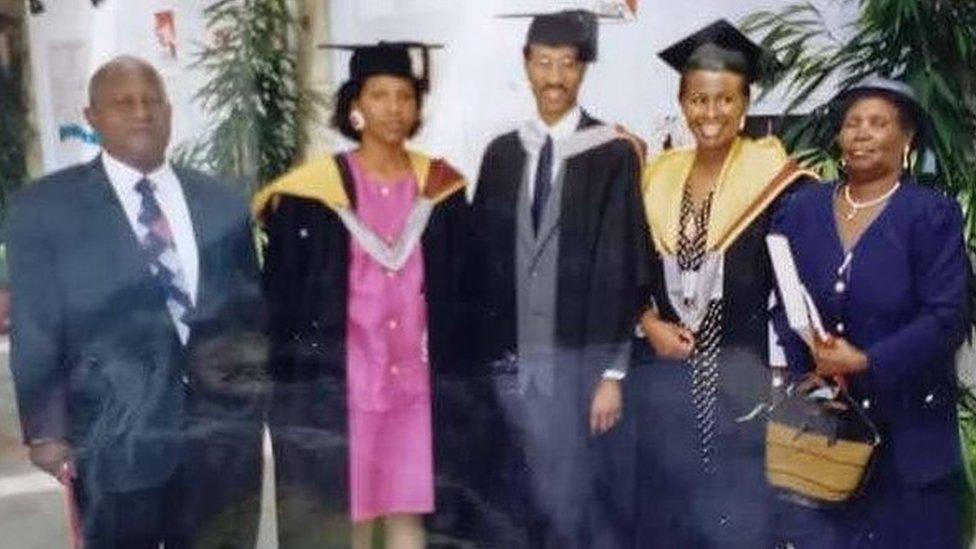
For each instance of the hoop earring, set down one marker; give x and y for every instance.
(357, 120)
(906, 161)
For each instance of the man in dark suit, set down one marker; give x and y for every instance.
(560, 261)
(135, 310)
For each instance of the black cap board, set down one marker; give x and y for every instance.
(721, 46)
(578, 28)
(393, 58)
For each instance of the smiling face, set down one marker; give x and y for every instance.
(390, 107)
(555, 75)
(129, 109)
(714, 104)
(872, 139)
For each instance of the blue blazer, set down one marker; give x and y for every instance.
(95, 357)
(903, 300)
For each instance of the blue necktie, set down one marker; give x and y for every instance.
(160, 250)
(543, 183)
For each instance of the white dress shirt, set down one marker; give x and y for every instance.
(564, 128)
(169, 194)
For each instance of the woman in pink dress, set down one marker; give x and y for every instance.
(363, 253)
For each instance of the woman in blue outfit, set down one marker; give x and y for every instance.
(885, 263)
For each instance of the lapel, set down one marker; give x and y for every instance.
(571, 184)
(208, 242)
(101, 201)
(523, 207)
(553, 210)
(110, 230)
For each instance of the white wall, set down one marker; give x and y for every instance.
(479, 88)
(95, 36)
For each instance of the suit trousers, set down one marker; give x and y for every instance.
(550, 464)
(212, 499)
(134, 519)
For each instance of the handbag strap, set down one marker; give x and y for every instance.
(843, 392)
(875, 432)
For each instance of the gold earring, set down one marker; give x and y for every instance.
(906, 159)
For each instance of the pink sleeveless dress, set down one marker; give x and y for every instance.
(389, 397)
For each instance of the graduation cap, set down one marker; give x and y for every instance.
(36, 7)
(392, 58)
(578, 28)
(721, 47)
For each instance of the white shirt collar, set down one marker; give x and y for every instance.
(564, 128)
(121, 174)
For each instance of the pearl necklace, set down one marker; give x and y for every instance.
(858, 206)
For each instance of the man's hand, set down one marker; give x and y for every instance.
(667, 339)
(837, 357)
(53, 457)
(607, 405)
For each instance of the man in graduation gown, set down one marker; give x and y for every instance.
(560, 254)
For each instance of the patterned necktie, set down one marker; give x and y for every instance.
(543, 183)
(160, 251)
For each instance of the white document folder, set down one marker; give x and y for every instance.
(801, 312)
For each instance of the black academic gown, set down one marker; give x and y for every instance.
(602, 281)
(306, 282)
(678, 503)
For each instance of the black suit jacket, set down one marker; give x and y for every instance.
(95, 357)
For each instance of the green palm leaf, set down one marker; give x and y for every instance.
(253, 92)
(931, 45)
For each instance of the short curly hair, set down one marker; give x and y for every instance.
(349, 92)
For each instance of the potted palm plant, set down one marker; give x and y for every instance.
(253, 92)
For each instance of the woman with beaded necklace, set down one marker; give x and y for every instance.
(700, 439)
(884, 260)
(700, 449)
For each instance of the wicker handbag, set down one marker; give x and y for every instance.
(819, 444)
